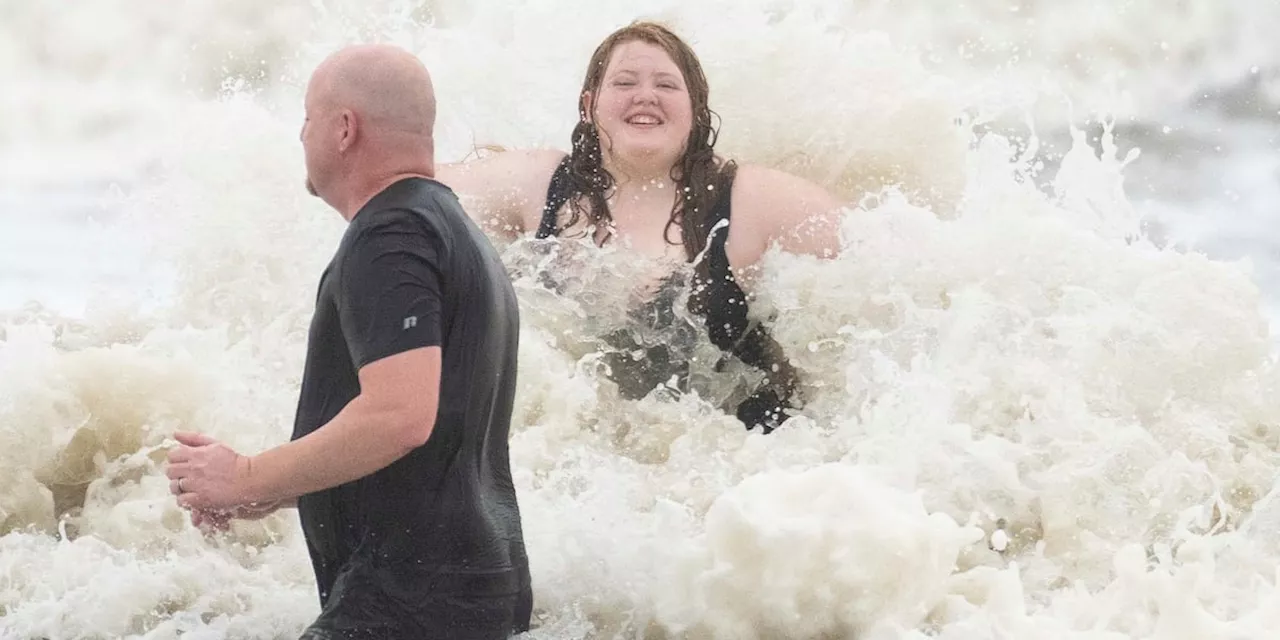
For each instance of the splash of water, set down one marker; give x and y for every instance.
(990, 360)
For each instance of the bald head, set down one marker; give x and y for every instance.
(371, 111)
(386, 86)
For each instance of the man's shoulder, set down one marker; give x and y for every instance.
(383, 232)
(403, 217)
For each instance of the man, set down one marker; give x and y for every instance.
(399, 461)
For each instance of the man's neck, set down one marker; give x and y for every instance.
(361, 195)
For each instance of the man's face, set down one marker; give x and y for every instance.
(319, 140)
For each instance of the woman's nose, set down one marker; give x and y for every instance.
(646, 95)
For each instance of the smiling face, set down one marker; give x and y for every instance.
(645, 113)
(642, 108)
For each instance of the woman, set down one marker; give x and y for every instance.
(642, 171)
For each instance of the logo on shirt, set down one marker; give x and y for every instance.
(410, 322)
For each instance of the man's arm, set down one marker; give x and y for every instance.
(388, 303)
(392, 416)
(389, 307)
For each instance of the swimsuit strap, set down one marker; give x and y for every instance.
(558, 193)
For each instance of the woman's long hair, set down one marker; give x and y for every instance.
(699, 176)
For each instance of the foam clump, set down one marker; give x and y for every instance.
(811, 553)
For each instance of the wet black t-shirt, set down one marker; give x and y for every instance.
(432, 543)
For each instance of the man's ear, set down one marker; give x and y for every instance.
(349, 128)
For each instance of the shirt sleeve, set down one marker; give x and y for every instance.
(390, 290)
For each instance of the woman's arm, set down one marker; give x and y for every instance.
(504, 191)
(774, 206)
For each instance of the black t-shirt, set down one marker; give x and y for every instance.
(439, 528)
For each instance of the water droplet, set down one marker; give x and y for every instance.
(999, 540)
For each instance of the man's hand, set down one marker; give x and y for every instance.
(220, 519)
(206, 475)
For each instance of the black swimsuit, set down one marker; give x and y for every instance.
(718, 299)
